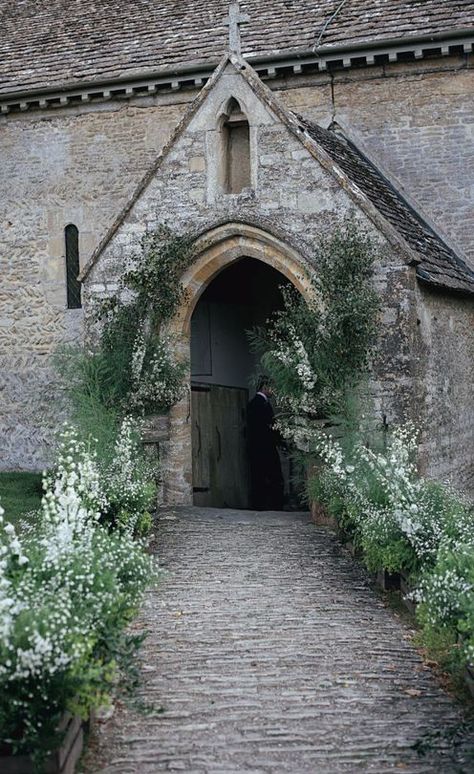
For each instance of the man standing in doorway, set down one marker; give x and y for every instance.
(266, 478)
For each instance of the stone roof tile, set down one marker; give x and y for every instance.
(439, 265)
(50, 44)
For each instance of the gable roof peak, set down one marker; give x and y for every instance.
(380, 201)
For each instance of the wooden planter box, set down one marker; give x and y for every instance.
(321, 517)
(61, 761)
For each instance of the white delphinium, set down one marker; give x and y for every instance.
(129, 478)
(11, 553)
(73, 501)
(396, 475)
(60, 567)
(138, 354)
(429, 521)
(64, 588)
(160, 384)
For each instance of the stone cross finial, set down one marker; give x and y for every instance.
(233, 21)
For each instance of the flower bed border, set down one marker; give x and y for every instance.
(61, 761)
(385, 581)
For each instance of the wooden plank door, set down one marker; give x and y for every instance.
(220, 465)
(201, 418)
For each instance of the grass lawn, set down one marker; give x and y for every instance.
(19, 493)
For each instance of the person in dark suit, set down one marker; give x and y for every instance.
(266, 479)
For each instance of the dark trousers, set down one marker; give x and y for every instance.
(266, 481)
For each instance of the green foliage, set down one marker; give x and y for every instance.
(350, 304)
(88, 380)
(441, 643)
(156, 278)
(447, 594)
(21, 494)
(402, 523)
(134, 357)
(315, 352)
(30, 708)
(384, 547)
(130, 367)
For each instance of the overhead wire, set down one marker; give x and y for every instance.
(326, 25)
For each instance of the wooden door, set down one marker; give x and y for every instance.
(220, 465)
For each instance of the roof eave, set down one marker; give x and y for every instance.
(266, 64)
(441, 287)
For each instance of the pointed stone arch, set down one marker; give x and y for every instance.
(225, 244)
(216, 250)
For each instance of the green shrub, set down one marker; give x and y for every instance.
(137, 370)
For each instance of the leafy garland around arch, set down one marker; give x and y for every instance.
(316, 351)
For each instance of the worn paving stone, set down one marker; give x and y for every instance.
(269, 651)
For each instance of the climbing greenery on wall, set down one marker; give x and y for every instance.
(139, 370)
(316, 351)
(128, 366)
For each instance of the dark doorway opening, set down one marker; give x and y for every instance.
(222, 371)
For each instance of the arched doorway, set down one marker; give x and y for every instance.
(223, 367)
(219, 250)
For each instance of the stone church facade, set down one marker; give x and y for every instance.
(328, 116)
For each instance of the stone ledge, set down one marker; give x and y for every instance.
(155, 429)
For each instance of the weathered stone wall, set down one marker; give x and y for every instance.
(445, 348)
(294, 197)
(57, 168)
(80, 166)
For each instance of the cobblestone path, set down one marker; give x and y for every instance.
(269, 651)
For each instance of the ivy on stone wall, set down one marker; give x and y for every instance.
(142, 374)
(152, 286)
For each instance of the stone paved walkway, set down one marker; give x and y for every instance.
(270, 652)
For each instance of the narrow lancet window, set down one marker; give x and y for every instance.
(236, 136)
(73, 286)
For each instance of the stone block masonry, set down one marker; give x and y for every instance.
(444, 349)
(56, 169)
(418, 124)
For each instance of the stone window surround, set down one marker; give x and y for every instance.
(236, 160)
(215, 151)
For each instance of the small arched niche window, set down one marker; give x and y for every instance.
(73, 286)
(236, 149)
